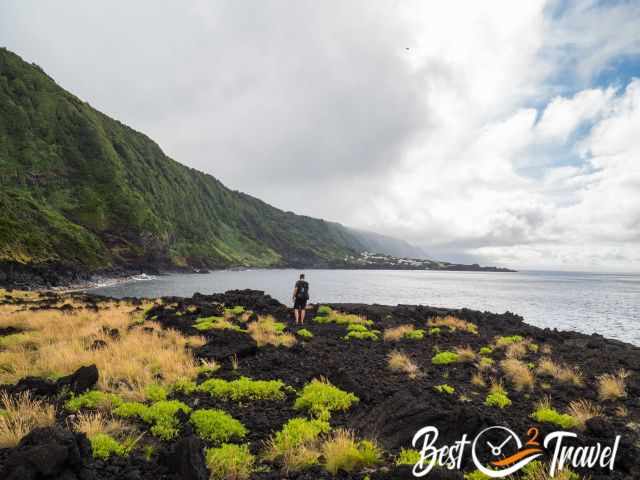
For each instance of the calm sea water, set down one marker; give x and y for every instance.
(608, 304)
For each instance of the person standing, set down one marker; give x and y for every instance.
(300, 297)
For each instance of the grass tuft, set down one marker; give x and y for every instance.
(321, 398)
(401, 362)
(243, 389)
(267, 331)
(613, 386)
(217, 426)
(296, 446)
(20, 414)
(518, 373)
(342, 452)
(454, 324)
(545, 413)
(230, 462)
(445, 358)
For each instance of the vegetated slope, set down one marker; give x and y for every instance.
(85, 192)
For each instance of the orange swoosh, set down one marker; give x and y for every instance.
(516, 456)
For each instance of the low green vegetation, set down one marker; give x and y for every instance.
(448, 389)
(217, 426)
(304, 333)
(235, 310)
(414, 335)
(94, 399)
(155, 392)
(323, 311)
(497, 397)
(509, 340)
(230, 462)
(342, 452)
(215, 323)
(321, 398)
(434, 331)
(243, 389)
(408, 456)
(486, 350)
(104, 445)
(544, 413)
(295, 446)
(160, 415)
(339, 318)
(362, 335)
(445, 358)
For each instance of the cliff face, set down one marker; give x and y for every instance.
(82, 192)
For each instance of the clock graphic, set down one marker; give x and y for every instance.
(498, 451)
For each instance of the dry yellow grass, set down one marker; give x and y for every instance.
(621, 411)
(478, 380)
(583, 410)
(613, 386)
(548, 368)
(56, 343)
(453, 323)
(20, 415)
(466, 354)
(265, 331)
(341, 452)
(518, 373)
(400, 362)
(91, 423)
(516, 350)
(396, 333)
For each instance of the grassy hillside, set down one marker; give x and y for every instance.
(82, 190)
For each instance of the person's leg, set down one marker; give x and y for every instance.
(302, 312)
(296, 314)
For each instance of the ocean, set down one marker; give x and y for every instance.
(608, 304)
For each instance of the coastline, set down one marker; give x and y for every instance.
(453, 394)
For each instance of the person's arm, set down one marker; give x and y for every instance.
(295, 292)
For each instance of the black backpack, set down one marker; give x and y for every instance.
(303, 290)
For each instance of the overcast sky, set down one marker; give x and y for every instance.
(501, 132)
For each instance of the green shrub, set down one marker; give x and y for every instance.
(323, 311)
(486, 362)
(184, 385)
(444, 358)
(93, 399)
(408, 456)
(321, 398)
(448, 389)
(304, 333)
(343, 453)
(243, 389)
(155, 392)
(486, 351)
(160, 415)
(130, 409)
(208, 369)
(235, 310)
(497, 399)
(549, 415)
(103, 446)
(279, 327)
(217, 426)
(434, 331)
(366, 335)
(504, 341)
(414, 335)
(230, 462)
(357, 327)
(293, 446)
(215, 323)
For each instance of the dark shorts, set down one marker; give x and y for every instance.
(300, 303)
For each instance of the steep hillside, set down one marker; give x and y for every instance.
(84, 192)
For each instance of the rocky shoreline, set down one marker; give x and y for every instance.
(392, 405)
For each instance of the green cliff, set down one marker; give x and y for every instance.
(82, 191)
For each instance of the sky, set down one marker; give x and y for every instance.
(499, 132)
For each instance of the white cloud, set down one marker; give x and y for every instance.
(472, 128)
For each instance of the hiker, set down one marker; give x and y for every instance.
(300, 297)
